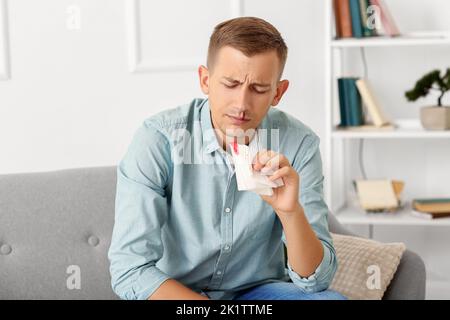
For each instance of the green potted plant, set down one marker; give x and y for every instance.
(432, 117)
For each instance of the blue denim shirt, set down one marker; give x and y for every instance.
(179, 215)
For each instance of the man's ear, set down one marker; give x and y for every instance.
(281, 89)
(203, 76)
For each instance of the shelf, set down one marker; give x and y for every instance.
(390, 41)
(357, 216)
(398, 133)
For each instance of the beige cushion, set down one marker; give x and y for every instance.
(365, 267)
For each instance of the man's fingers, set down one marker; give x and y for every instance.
(272, 165)
(271, 162)
(262, 157)
(280, 173)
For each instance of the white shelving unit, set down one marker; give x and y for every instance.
(391, 42)
(404, 133)
(336, 183)
(403, 217)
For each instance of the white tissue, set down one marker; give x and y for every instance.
(249, 179)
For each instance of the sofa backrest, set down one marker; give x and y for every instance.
(55, 231)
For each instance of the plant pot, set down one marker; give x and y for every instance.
(435, 117)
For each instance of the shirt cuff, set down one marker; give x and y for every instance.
(321, 277)
(147, 282)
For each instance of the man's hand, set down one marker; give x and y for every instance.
(305, 250)
(285, 198)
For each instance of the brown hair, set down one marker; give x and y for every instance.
(250, 35)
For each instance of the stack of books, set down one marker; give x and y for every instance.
(353, 92)
(431, 208)
(363, 18)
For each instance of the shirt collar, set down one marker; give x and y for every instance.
(210, 142)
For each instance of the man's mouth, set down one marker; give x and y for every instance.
(238, 120)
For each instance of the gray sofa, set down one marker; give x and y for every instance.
(55, 228)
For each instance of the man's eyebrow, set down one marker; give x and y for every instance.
(253, 83)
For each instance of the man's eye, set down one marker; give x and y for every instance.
(260, 92)
(229, 85)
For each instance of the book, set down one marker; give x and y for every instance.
(354, 102)
(342, 103)
(397, 185)
(350, 104)
(370, 101)
(367, 30)
(433, 205)
(355, 13)
(379, 195)
(398, 188)
(389, 26)
(432, 200)
(342, 19)
(429, 215)
(337, 18)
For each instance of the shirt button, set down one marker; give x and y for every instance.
(227, 210)
(219, 272)
(227, 247)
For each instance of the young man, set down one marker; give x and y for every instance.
(182, 228)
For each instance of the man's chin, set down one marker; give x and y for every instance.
(241, 133)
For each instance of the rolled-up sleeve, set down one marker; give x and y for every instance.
(141, 210)
(308, 164)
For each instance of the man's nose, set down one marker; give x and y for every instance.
(242, 102)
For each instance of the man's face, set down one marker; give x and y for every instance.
(241, 89)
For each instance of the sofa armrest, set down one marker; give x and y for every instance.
(409, 280)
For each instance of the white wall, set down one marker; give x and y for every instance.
(71, 100)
